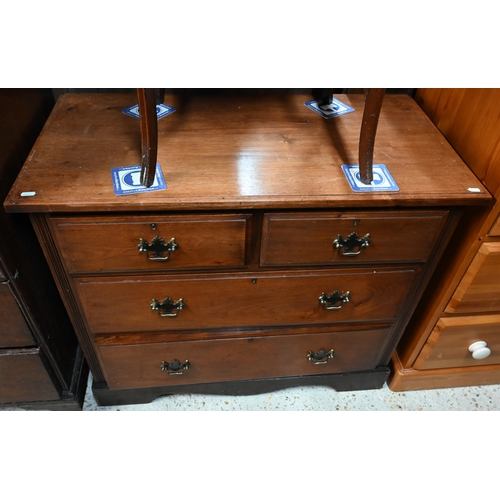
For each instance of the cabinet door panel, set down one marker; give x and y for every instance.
(479, 290)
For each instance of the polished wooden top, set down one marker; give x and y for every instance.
(226, 152)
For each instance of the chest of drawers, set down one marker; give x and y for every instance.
(258, 267)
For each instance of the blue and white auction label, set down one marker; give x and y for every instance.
(336, 108)
(162, 110)
(382, 179)
(127, 180)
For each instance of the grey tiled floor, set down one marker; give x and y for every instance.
(482, 398)
(477, 398)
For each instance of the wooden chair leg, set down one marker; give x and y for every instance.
(160, 96)
(149, 134)
(371, 113)
(148, 98)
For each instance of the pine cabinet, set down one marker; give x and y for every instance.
(453, 337)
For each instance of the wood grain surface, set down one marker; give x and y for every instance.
(307, 238)
(110, 243)
(24, 377)
(470, 121)
(448, 345)
(479, 290)
(114, 305)
(495, 229)
(14, 331)
(267, 151)
(239, 359)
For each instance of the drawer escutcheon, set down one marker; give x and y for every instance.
(158, 248)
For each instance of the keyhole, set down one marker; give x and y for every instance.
(254, 281)
(153, 227)
(356, 222)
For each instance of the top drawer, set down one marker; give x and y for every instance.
(128, 243)
(349, 237)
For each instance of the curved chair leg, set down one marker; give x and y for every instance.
(371, 113)
(147, 99)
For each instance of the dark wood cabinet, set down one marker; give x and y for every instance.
(41, 363)
(15, 330)
(254, 290)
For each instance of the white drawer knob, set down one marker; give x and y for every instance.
(479, 350)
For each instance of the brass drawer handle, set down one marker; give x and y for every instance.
(320, 357)
(157, 248)
(352, 245)
(175, 367)
(167, 307)
(334, 301)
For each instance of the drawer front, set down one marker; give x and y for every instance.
(23, 377)
(448, 344)
(302, 239)
(242, 300)
(479, 290)
(140, 365)
(14, 331)
(111, 244)
(495, 229)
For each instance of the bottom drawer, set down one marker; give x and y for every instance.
(23, 377)
(140, 365)
(14, 331)
(448, 344)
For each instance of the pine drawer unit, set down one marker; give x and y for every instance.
(237, 277)
(453, 338)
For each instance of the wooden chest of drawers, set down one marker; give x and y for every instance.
(237, 278)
